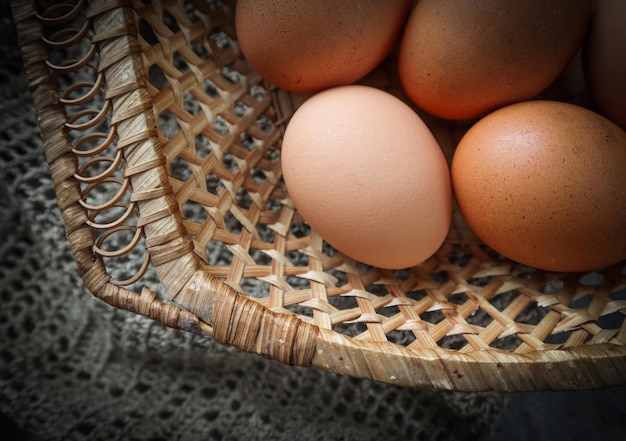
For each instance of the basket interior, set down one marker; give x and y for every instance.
(219, 128)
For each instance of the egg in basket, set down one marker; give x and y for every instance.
(166, 145)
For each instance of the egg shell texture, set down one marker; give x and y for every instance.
(367, 174)
(605, 59)
(307, 46)
(461, 59)
(544, 183)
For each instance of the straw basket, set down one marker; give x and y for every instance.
(164, 149)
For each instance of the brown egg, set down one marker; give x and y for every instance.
(544, 183)
(367, 174)
(307, 46)
(605, 59)
(461, 60)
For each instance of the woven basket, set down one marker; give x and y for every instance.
(164, 150)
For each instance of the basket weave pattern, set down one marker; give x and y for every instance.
(164, 147)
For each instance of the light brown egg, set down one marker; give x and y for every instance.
(605, 59)
(544, 183)
(307, 46)
(367, 174)
(461, 59)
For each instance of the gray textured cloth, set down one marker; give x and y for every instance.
(73, 368)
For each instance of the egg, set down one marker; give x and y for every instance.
(460, 59)
(544, 183)
(605, 59)
(307, 46)
(366, 173)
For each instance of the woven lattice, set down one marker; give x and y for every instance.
(164, 147)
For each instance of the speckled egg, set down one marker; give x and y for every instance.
(544, 183)
(461, 59)
(307, 46)
(366, 173)
(605, 59)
